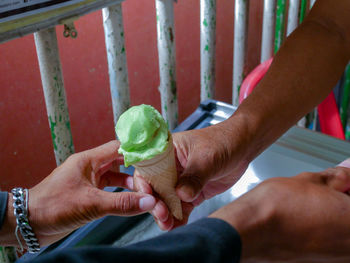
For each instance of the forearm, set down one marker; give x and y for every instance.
(303, 73)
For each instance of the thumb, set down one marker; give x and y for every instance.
(123, 203)
(189, 187)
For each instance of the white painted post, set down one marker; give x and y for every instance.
(268, 30)
(116, 56)
(312, 2)
(208, 29)
(240, 42)
(293, 12)
(166, 54)
(55, 95)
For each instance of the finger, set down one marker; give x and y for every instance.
(167, 225)
(338, 178)
(103, 154)
(141, 185)
(187, 208)
(200, 199)
(116, 179)
(160, 211)
(122, 204)
(189, 187)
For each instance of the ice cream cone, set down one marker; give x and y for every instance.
(160, 173)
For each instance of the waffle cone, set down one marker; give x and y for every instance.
(160, 172)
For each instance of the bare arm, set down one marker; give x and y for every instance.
(303, 73)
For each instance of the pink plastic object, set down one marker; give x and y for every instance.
(328, 112)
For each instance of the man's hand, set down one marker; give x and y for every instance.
(206, 167)
(301, 219)
(303, 72)
(72, 194)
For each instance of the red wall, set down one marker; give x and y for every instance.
(26, 152)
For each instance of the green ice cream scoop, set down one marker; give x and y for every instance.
(142, 133)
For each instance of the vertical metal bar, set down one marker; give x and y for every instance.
(280, 16)
(293, 12)
(312, 2)
(166, 53)
(208, 26)
(268, 29)
(314, 120)
(55, 95)
(8, 255)
(302, 11)
(116, 56)
(240, 42)
(313, 116)
(345, 100)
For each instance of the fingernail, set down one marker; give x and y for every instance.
(164, 219)
(130, 183)
(345, 163)
(147, 203)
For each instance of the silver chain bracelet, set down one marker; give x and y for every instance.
(20, 205)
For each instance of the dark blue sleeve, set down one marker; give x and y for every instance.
(207, 240)
(3, 206)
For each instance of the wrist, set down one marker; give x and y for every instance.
(237, 138)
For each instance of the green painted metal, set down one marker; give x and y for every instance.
(54, 93)
(208, 29)
(280, 23)
(303, 8)
(8, 255)
(345, 100)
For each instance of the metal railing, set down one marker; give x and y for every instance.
(53, 80)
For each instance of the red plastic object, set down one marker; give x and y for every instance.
(327, 111)
(328, 115)
(252, 80)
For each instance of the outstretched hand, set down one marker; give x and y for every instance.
(72, 194)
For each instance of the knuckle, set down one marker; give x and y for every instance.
(342, 173)
(272, 182)
(307, 174)
(80, 159)
(278, 186)
(126, 203)
(72, 157)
